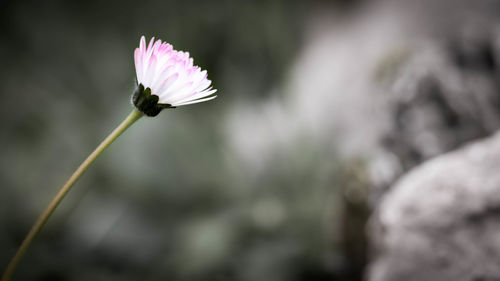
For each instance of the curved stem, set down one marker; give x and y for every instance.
(35, 229)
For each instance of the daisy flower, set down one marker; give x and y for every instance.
(167, 78)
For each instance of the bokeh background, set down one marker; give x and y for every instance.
(322, 106)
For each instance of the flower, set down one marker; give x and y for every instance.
(167, 78)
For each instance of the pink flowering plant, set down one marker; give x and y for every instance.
(166, 78)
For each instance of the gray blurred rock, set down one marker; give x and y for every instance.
(388, 88)
(393, 85)
(443, 95)
(441, 221)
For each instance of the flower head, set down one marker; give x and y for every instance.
(167, 78)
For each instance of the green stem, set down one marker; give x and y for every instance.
(35, 229)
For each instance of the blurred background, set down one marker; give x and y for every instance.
(322, 106)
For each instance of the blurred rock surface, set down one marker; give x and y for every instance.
(441, 220)
(395, 84)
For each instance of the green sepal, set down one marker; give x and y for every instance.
(147, 103)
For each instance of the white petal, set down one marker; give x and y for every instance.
(196, 96)
(195, 101)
